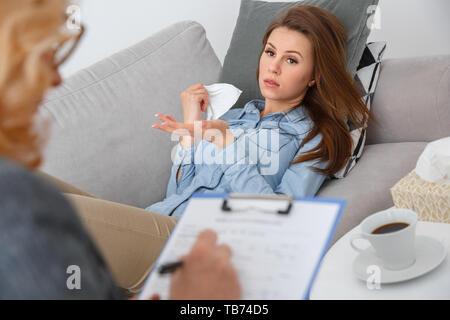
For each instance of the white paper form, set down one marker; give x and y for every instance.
(276, 255)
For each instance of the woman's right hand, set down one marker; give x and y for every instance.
(215, 131)
(194, 101)
(207, 272)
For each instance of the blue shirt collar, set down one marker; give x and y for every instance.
(256, 106)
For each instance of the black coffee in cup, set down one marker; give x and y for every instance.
(391, 227)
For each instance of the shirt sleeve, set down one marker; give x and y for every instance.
(183, 160)
(44, 246)
(299, 180)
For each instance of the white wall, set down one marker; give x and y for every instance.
(411, 27)
(414, 27)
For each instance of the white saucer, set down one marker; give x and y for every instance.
(429, 254)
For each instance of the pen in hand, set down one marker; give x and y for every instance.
(169, 267)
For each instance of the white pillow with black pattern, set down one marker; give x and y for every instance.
(366, 78)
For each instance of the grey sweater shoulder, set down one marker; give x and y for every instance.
(45, 252)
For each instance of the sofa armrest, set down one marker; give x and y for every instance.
(412, 100)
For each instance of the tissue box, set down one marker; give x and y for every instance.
(431, 201)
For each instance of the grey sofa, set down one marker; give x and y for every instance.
(103, 143)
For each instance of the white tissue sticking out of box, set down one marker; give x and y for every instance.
(222, 96)
(433, 164)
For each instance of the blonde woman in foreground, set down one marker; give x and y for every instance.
(41, 234)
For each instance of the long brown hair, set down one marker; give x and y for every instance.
(27, 29)
(334, 98)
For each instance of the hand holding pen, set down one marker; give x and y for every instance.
(205, 273)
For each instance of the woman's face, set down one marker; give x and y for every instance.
(286, 66)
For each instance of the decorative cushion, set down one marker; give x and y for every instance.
(242, 58)
(366, 79)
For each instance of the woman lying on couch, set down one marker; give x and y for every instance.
(308, 98)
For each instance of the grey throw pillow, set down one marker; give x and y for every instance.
(242, 58)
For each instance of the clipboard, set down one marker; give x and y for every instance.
(260, 205)
(277, 241)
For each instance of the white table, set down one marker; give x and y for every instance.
(336, 280)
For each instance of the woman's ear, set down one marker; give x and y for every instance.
(311, 83)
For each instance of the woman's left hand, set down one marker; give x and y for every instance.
(215, 131)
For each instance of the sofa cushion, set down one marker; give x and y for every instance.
(242, 58)
(412, 102)
(102, 138)
(366, 187)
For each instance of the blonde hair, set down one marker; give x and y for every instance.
(28, 29)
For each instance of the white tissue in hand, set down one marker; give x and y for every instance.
(433, 164)
(222, 96)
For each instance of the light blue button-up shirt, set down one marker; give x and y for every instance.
(258, 161)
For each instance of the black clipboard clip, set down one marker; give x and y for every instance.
(239, 196)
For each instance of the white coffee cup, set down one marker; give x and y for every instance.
(396, 250)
